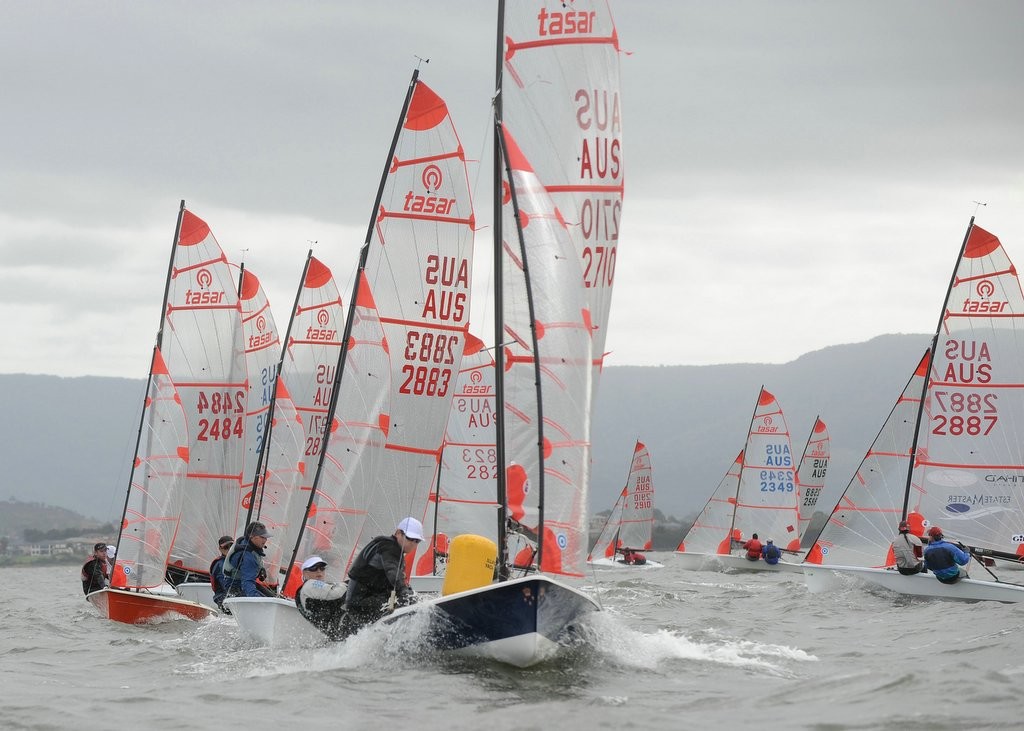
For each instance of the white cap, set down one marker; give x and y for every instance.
(111, 551)
(412, 528)
(311, 562)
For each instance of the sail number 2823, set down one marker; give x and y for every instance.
(964, 414)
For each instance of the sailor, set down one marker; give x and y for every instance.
(321, 602)
(379, 571)
(95, 575)
(944, 559)
(907, 549)
(217, 579)
(753, 548)
(243, 567)
(771, 553)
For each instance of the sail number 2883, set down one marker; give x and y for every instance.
(964, 414)
(437, 349)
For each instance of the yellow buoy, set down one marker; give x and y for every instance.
(471, 562)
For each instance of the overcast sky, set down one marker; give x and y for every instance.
(798, 174)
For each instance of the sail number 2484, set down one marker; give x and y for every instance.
(220, 405)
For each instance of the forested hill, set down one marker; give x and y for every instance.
(69, 441)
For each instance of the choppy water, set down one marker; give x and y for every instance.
(673, 649)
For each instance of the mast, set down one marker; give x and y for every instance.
(928, 373)
(536, 357)
(347, 334)
(743, 462)
(156, 349)
(499, 324)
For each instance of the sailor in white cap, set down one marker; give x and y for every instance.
(378, 573)
(320, 601)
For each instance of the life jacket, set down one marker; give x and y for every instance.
(371, 579)
(753, 547)
(219, 561)
(772, 552)
(939, 557)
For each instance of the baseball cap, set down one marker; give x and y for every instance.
(412, 528)
(257, 530)
(935, 532)
(100, 547)
(904, 525)
(225, 541)
(312, 562)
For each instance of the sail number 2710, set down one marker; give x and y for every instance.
(964, 414)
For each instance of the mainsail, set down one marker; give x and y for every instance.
(561, 100)
(862, 525)
(766, 500)
(712, 532)
(812, 471)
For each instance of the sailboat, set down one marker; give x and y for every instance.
(763, 500)
(627, 532)
(952, 457)
(186, 478)
(557, 107)
(405, 335)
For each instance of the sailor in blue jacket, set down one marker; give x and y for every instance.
(771, 553)
(244, 565)
(217, 578)
(943, 558)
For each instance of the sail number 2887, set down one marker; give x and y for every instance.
(964, 414)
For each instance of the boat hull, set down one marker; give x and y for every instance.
(141, 607)
(520, 622)
(607, 563)
(721, 562)
(199, 592)
(824, 578)
(273, 621)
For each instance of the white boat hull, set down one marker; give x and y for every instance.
(820, 579)
(199, 592)
(520, 622)
(273, 621)
(607, 563)
(722, 562)
(426, 584)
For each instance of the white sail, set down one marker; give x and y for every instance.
(711, 532)
(547, 334)
(766, 501)
(464, 499)
(860, 530)
(560, 98)
(262, 353)
(812, 471)
(203, 351)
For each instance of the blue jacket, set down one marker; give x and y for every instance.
(771, 553)
(217, 580)
(245, 566)
(942, 559)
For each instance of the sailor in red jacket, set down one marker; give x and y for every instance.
(753, 548)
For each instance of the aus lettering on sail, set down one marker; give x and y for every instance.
(446, 280)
